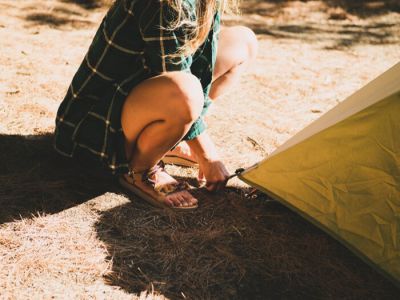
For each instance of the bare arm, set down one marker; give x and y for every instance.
(211, 166)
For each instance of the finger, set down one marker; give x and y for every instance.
(225, 182)
(201, 182)
(216, 185)
(220, 186)
(201, 179)
(211, 186)
(200, 176)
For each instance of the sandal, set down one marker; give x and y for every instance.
(181, 157)
(179, 161)
(158, 193)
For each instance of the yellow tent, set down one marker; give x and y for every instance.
(343, 173)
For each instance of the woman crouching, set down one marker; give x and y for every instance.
(144, 87)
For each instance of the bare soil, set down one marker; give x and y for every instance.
(67, 232)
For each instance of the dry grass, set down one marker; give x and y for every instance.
(68, 233)
(232, 248)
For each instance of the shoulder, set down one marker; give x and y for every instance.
(156, 13)
(155, 6)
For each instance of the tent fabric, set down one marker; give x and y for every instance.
(344, 176)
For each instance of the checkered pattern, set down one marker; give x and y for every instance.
(132, 44)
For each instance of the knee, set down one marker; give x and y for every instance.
(186, 98)
(249, 40)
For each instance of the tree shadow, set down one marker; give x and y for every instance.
(365, 8)
(333, 37)
(337, 29)
(35, 179)
(86, 4)
(360, 8)
(231, 247)
(62, 13)
(56, 20)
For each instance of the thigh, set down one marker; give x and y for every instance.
(236, 45)
(161, 98)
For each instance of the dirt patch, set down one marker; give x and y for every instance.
(68, 231)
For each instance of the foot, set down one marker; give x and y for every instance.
(182, 150)
(160, 189)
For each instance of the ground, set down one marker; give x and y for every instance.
(66, 232)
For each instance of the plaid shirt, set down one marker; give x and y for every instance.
(132, 44)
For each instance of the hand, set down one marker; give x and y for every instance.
(211, 168)
(214, 174)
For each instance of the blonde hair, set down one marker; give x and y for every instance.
(200, 27)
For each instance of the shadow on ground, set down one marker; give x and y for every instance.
(232, 247)
(333, 37)
(88, 4)
(360, 8)
(334, 28)
(64, 13)
(334, 25)
(35, 179)
(56, 20)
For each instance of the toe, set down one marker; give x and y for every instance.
(181, 199)
(169, 202)
(185, 202)
(174, 199)
(189, 199)
(194, 201)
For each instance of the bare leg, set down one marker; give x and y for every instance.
(156, 115)
(237, 47)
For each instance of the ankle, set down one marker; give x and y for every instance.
(140, 168)
(147, 170)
